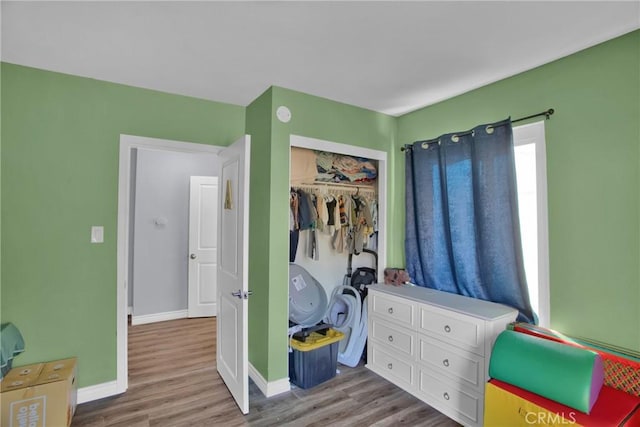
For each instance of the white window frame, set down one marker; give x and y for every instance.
(534, 134)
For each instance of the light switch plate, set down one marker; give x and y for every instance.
(97, 234)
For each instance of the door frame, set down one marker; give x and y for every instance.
(127, 144)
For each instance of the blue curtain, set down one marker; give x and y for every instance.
(462, 226)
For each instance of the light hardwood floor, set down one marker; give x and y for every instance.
(173, 382)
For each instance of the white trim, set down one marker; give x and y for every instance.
(128, 143)
(134, 141)
(129, 310)
(336, 147)
(352, 150)
(98, 391)
(269, 389)
(528, 134)
(158, 317)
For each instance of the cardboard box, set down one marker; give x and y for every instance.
(40, 395)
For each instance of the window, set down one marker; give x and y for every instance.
(531, 173)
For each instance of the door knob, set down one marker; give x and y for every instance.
(242, 295)
(193, 256)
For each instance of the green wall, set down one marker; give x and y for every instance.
(311, 117)
(593, 161)
(260, 321)
(60, 144)
(59, 177)
(60, 138)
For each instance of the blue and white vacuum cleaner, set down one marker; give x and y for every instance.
(345, 312)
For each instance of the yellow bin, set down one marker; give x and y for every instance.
(314, 361)
(316, 340)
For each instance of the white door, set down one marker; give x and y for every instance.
(203, 241)
(233, 289)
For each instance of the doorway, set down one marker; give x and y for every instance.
(129, 147)
(163, 217)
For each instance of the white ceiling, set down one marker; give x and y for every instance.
(387, 56)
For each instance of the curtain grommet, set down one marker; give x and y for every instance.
(489, 129)
(425, 145)
(455, 138)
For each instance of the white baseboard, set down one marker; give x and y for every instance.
(267, 388)
(98, 391)
(158, 317)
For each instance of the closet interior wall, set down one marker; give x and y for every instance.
(329, 266)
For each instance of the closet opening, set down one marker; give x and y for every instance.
(166, 153)
(333, 213)
(345, 188)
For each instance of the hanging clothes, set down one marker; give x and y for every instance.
(349, 220)
(323, 213)
(356, 238)
(294, 201)
(374, 215)
(366, 212)
(331, 204)
(342, 210)
(373, 237)
(313, 249)
(294, 237)
(294, 231)
(306, 211)
(339, 239)
(312, 240)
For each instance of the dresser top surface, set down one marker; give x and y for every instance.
(466, 305)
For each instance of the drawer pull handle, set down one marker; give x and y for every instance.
(446, 396)
(390, 310)
(445, 362)
(390, 338)
(390, 366)
(447, 328)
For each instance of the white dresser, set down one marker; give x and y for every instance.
(435, 345)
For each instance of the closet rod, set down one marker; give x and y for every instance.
(336, 187)
(546, 113)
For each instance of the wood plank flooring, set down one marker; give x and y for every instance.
(173, 382)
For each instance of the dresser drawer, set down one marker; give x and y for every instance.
(454, 328)
(462, 405)
(393, 336)
(394, 309)
(463, 366)
(389, 365)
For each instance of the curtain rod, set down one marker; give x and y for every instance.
(546, 113)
